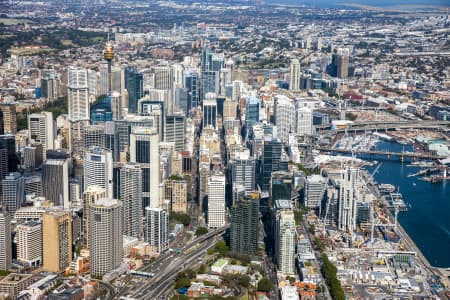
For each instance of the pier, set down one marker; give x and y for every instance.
(387, 154)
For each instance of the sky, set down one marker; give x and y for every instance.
(384, 3)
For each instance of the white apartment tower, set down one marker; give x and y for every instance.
(131, 196)
(157, 228)
(348, 196)
(216, 201)
(105, 230)
(91, 195)
(294, 79)
(29, 243)
(286, 242)
(5, 239)
(304, 121)
(284, 117)
(78, 94)
(98, 169)
(41, 130)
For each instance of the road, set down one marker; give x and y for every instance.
(168, 265)
(305, 230)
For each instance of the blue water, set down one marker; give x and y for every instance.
(428, 220)
(379, 3)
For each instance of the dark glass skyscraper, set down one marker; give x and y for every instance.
(244, 225)
(271, 161)
(134, 83)
(191, 84)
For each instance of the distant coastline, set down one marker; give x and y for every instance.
(378, 5)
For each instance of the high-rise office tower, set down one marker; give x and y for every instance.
(315, 191)
(78, 94)
(181, 100)
(9, 117)
(76, 137)
(13, 192)
(144, 149)
(163, 77)
(93, 83)
(55, 181)
(304, 121)
(134, 83)
(191, 83)
(131, 197)
(243, 171)
(2, 129)
(245, 225)
(41, 130)
(252, 110)
(284, 117)
(175, 195)
(229, 110)
(271, 161)
(8, 154)
(178, 75)
(50, 87)
(216, 201)
(29, 243)
(285, 232)
(281, 186)
(294, 80)
(5, 239)
(342, 63)
(94, 136)
(174, 130)
(98, 169)
(116, 105)
(105, 231)
(157, 228)
(57, 238)
(209, 111)
(92, 194)
(236, 90)
(111, 139)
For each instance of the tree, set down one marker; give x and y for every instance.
(264, 285)
(201, 231)
(244, 280)
(222, 248)
(179, 297)
(329, 271)
(180, 217)
(182, 282)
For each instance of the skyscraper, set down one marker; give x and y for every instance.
(29, 243)
(91, 195)
(55, 181)
(210, 111)
(57, 238)
(281, 186)
(191, 83)
(131, 197)
(174, 130)
(348, 195)
(252, 110)
(9, 117)
(284, 117)
(40, 129)
(134, 83)
(78, 94)
(144, 149)
(216, 201)
(285, 232)
(105, 231)
(315, 191)
(245, 225)
(98, 169)
(5, 239)
(304, 121)
(271, 161)
(50, 86)
(13, 192)
(93, 136)
(157, 228)
(294, 79)
(342, 63)
(243, 171)
(175, 194)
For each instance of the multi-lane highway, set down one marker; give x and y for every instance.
(167, 266)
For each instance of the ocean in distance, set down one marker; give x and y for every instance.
(378, 3)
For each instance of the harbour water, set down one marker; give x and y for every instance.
(427, 221)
